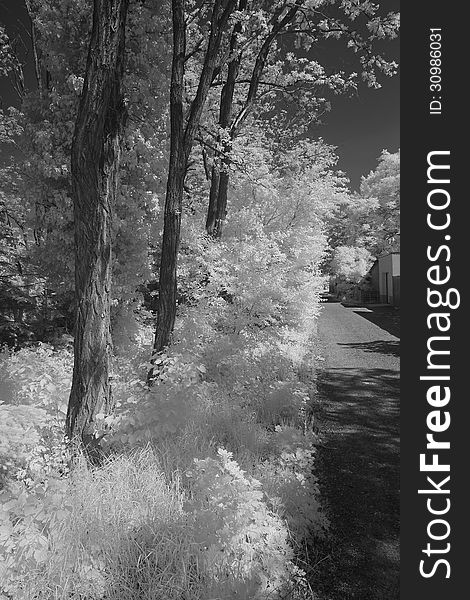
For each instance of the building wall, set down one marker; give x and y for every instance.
(396, 291)
(386, 287)
(374, 274)
(389, 269)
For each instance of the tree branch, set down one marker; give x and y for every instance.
(260, 62)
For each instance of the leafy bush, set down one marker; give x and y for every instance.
(40, 376)
(245, 548)
(290, 483)
(229, 380)
(226, 531)
(33, 411)
(108, 532)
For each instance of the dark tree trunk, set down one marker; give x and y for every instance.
(181, 143)
(175, 187)
(96, 150)
(43, 76)
(213, 197)
(218, 194)
(217, 210)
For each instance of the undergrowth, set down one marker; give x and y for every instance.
(207, 487)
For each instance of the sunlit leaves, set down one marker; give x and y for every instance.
(351, 263)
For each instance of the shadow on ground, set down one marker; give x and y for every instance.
(389, 347)
(386, 317)
(359, 471)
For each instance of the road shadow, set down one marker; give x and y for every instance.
(359, 474)
(386, 317)
(388, 347)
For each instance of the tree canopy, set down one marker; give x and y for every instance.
(219, 97)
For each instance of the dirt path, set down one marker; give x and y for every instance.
(359, 464)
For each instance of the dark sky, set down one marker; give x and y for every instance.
(365, 124)
(360, 126)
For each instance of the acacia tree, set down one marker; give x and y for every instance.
(183, 128)
(261, 71)
(96, 150)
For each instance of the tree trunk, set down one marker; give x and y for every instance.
(217, 209)
(42, 75)
(181, 143)
(96, 150)
(213, 197)
(222, 195)
(174, 190)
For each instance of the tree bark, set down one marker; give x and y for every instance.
(175, 188)
(96, 150)
(219, 181)
(213, 197)
(181, 143)
(218, 195)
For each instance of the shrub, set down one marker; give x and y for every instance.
(32, 413)
(135, 527)
(245, 548)
(125, 529)
(289, 481)
(39, 376)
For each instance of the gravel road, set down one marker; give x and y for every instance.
(359, 460)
